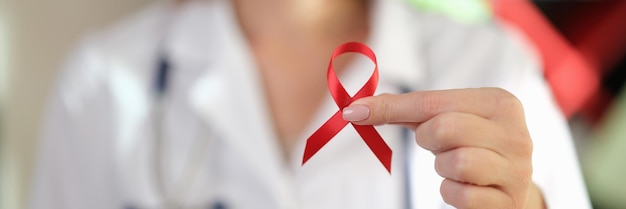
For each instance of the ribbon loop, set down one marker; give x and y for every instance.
(335, 123)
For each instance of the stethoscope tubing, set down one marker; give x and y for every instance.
(170, 198)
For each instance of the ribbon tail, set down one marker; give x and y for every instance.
(323, 135)
(376, 143)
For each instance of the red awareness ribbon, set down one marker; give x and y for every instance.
(327, 131)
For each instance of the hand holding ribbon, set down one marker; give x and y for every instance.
(479, 137)
(329, 129)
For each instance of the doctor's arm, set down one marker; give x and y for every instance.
(479, 137)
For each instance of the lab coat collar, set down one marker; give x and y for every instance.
(231, 87)
(210, 33)
(395, 37)
(229, 97)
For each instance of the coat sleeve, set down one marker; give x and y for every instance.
(73, 167)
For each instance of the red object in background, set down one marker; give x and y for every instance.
(571, 78)
(600, 35)
(573, 70)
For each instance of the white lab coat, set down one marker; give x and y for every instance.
(98, 137)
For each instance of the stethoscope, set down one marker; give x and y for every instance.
(190, 169)
(163, 71)
(169, 198)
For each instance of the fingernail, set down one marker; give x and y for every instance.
(356, 113)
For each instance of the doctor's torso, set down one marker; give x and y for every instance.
(218, 141)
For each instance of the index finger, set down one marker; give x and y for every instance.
(417, 107)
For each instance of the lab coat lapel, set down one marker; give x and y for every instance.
(229, 97)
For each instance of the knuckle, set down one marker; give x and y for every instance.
(526, 146)
(523, 144)
(460, 196)
(450, 192)
(500, 92)
(440, 166)
(461, 164)
(467, 198)
(506, 101)
(524, 174)
(446, 191)
(443, 127)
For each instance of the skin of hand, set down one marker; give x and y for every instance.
(479, 137)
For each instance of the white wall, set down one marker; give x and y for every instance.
(40, 35)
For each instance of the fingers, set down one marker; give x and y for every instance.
(491, 118)
(421, 106)
(454, 129)
(476, 165)
(479, 137)
(472, 149)
(468, 196)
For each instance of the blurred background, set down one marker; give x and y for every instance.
(35, 37)
(582, 43)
